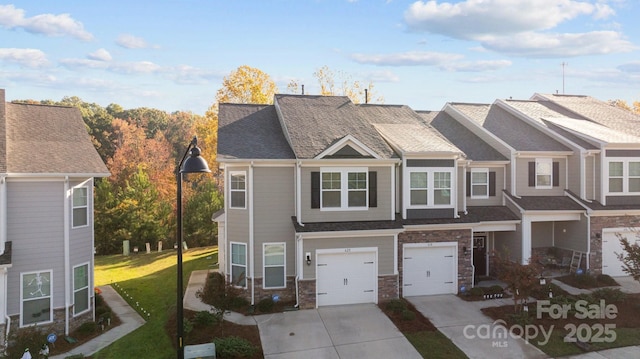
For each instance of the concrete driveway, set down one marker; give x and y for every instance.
(472, 331)
(352, 331)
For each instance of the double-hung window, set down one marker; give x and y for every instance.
(80, 207)
(80, 289)
(238, 189)
(479, 183)
(624, 176)
(344, 188)
(36, 297)
(429, 187)
(239, 264)
(274, 265)
(544, 173)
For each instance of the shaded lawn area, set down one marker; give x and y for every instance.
(626, 326)
(425, 337)
(586, 281)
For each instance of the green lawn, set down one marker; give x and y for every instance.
(433, 344)
(150, 280)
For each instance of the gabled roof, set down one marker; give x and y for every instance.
(513, 131)
(44, 139)
(251, 131)
(473, 146)
(594, 130)
(545, 203)
(416, 138)
(597, 111)
(314, 123)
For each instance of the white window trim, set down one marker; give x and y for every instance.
(244, 191)
(548, 161)
(22, 300)
(344, 188)
(283, 265)
(245, 265)
(73, 281)
(430, 187)
(74, 207)
(625, 175)
(479, 170)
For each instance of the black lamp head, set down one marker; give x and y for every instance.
(195, 163)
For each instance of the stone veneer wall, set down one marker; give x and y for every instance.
(57, 325)
(286, 294)
(387, 287)
(462, 236)
(307, 294)
(597, 224)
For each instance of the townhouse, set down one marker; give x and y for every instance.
(330, 202)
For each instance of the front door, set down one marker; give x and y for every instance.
(479, 256)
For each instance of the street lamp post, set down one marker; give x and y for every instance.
(192, 164)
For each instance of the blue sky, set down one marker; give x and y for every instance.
(173, 55)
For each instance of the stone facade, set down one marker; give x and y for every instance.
(307, 294)
(387, 288)
(285, 294)
(58, 324)
(598, 223)
(462, 236)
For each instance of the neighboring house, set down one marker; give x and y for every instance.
(47, 166)
(328, 202)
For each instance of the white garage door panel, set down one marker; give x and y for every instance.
(611, 247)
(346, 278)
(429, 270)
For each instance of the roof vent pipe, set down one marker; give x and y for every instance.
(303, 89)
(366, 96)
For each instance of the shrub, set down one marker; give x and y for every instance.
(88, 328)
(408, 315)
(220, 294)
(205, 318)
(102, 310)
(20, 339)
(234, 347)
(396, 305)
(266, 305)
(98, 300)
(610, 295)
(476, 292)
(494, 289)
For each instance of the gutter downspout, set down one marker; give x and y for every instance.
(298, 269)
(251, 235)
(67, 195)
(299, 193)
(3, 213)
(586, 214)
(6, 316)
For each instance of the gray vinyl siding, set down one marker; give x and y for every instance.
(571, 235)
(541, 234)
(522, 179)
(461, 188)
(273, 207)
(35, 225)
(80, 239)
(383, 243)
(589, 180)
(509, 243)
(238, 219)
(574, 174)
(492, 200)
(598, 179)
(381, 212)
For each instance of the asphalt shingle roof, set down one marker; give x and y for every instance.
(49, 139)
(251, 131)
(546, 203)
(314, 123)
(513, 131)
(598, 111)
(473, 147)
(415, 138)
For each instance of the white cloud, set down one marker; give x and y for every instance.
(412, 58)
(46, 24)
(532, 44)
(24, 57)
(630, 67)
(189, 75)
(131, 42)
(477, 66)
(382, 76)
(83, 63)
(473, 19)
(100, 55)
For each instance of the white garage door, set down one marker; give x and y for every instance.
(429, 270)
(611, 247)
(348, 277)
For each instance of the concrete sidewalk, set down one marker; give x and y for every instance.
(129, 318)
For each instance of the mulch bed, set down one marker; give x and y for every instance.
(419, 324)
(62, 346)
(586, 281)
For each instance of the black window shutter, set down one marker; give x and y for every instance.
(556, 174)
(492, 183)
(532, 174)
(373, 189)
(315, 189)
(468, 184)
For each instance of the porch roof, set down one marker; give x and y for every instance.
(545, 203)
